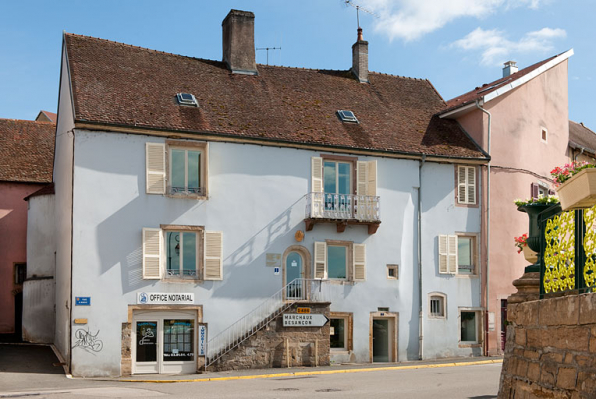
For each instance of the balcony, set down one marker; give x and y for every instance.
(343, 209)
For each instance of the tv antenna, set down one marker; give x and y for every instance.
(268, 48)
(358, 9)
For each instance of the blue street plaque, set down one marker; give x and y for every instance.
(82, 300)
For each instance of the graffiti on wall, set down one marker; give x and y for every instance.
(88, 341)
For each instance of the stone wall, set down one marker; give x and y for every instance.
(269, 348)
(551, 349)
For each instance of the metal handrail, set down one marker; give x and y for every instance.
(343, 206)
(299, 289)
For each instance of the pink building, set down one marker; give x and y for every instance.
(26, 161)
(522, 121)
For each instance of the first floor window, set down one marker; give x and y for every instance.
(182, 254)
(340, 260)
(465, 254)
(469, 326)
(185, 171)
(437, 306)
(337, 260)
(457, 254)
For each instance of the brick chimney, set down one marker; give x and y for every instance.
(239, 42)
(510, 68)
(360, 58)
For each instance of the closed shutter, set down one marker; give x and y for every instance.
(359, 262)
(361, 178)
(371, 178)
(471, 185)
(320, 260)
(156, 168)
(452, 254)
(213, 255)
(534, 190)
(461, 184)
(443, 268)
(151, 253)
(317, 199)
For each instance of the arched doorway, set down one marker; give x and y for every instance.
(296, 269)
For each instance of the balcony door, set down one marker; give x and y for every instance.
(337, 185)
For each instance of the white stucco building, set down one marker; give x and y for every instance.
(222, 182)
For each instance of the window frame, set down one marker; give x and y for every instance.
(203, 149)
(348, 331)
(348, 245)
(478, 324)
(442, 298)
(477, 186)
(543, 134)
(352, 161)
(199, 255)
(395, 268)
(474, 237)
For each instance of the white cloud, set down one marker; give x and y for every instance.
(496, 48)
(412, 19)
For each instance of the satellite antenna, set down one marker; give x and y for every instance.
(268, 48)
(358, 9)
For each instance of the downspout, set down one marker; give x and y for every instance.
(420, 318)
(486, 278)
(578, 155)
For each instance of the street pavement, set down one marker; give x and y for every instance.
(27, 371)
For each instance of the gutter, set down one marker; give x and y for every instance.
(420, 312)
(486, 277)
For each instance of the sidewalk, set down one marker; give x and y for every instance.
(305, 371)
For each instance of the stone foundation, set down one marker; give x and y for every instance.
(551, 349)
(278, 346)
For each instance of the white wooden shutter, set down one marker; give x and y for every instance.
(320, 260)
(317, 199)
(361, 178)
(156, 168)
(452, 254)
(359, 262)
(461, 184)
(471, 184)
(443, 269)
(151, 253)
(371, 178)
(213, 255)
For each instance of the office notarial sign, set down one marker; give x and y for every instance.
(161, 298)
(304, 320)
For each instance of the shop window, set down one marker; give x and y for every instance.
(469, 326)
(340, 331)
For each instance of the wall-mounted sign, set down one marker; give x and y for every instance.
(303, 310)
(80, 321)
(299, 236)
(82, 300)
(145, 298)
(304, 320)
(276, 271)
(273, 260)
(202, 339)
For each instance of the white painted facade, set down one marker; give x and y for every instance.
(257, 199)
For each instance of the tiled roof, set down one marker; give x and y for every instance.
(26, 151)
(488, 88)
(582, 137)
(47, 189)
(46, 116)
(118, 84)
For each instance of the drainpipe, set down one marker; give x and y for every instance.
(578, 155)
(420, 319)
(487, 228)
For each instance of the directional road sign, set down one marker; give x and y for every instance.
(304, 320)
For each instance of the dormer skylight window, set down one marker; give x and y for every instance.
(187, 99)
(347, 116)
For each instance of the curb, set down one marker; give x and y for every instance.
(322, 372)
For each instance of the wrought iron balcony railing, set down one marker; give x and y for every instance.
(364, 208)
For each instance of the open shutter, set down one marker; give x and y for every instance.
(361, 178)
(371, 178)
(213, 255)
(156, 168)
(317, 199)
(452, 254)
(151, 253)
(443, 269)
(534, 191)
(471, 185)
(359, 262)
(461, 184)
(320, 260)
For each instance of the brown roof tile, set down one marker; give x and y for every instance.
(26, 150)
(119, 84)
(582, 137)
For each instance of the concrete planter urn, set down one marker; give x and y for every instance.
(531, 256)
(578, 192)
(533, 210)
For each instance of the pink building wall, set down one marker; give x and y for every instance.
(13, 245)
(519, 158)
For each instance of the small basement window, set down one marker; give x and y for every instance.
(187, 99)
(347, 116)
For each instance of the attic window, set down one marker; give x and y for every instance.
(347, 116)
(187, 99)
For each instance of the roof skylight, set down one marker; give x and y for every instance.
(347, 116)
(187, 99)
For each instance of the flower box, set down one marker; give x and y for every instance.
(530, 255)
(578, 192)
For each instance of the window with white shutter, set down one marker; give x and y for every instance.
(340, 260)
(317, 200)
(320, 261)
(151, 253)
(155, 159)
(359, 262)
(466, 185)
(213, 269)
(447, 254)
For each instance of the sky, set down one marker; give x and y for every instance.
(456, 44)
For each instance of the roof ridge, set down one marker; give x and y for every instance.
(26, 120)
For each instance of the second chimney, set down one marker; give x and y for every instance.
(360, 58)
(510, 68)
(238, 37)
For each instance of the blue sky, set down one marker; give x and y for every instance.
(456, 44)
